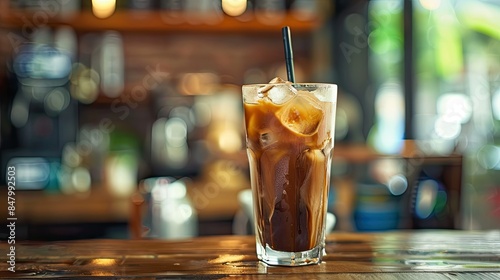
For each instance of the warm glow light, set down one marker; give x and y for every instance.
(103, 8)
(234, 7)
(104, 262)
(430, 4)
(198, 83)
(229, 141)
(222, 259)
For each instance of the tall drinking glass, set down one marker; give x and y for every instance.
(289, 132)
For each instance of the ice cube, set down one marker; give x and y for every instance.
(281, 94)
(277, 80)
(267, 138)
(302, 114)
(278, 91)
(270, 85)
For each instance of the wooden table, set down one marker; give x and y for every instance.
(389, 255)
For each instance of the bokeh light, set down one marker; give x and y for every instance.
(387, 135)
(112, 64)
(177, 151)
(229, 141)
(81, 179)
(200, 113)
(447, 129)
(495, 104)
(426, 198)
(488, 157)
(19, 112)
(430, 4)
(454, 107)
(198, 83)
(56, 101)
(234, 7)
(176, 132)
(397, 184)
(103, 8)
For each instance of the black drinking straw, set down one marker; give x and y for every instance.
(287, 43)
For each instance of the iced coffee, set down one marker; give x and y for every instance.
(289, 129)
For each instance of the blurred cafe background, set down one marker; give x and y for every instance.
(123, 118)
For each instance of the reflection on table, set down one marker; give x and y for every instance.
(436, 254)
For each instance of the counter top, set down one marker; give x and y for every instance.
(429, 254)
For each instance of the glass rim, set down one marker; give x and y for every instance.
(280, 84)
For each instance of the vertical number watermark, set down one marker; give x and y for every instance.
(11, 217)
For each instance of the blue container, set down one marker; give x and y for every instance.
(376, 209)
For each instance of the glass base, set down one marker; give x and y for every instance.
(273, 257)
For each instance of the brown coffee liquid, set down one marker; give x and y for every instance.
(290, 174)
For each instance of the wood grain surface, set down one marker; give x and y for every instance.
(429, 254)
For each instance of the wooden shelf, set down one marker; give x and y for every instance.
(99, 206)
(361, 153)
(37, 207)
(125, 20)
